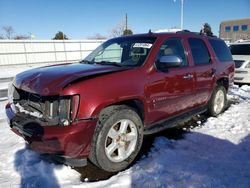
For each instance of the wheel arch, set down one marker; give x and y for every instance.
(136, 104)
(223, 82)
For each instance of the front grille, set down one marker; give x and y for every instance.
(238, 78)
(238, 63)
(46, 108)
(29, 101)
(241, 72)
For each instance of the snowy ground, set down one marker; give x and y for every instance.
(214, 154)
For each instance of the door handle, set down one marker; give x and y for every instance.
(188, 76)
(213, 71)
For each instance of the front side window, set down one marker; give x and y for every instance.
(124, 51)
(236, 28)
(199, 51)
(173, 47)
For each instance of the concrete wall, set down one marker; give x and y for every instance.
(20, 52)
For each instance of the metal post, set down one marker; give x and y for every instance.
(126, 21)
(80, 49)
(25, 53)
(182, 8)
(55, 51)
(65, 51)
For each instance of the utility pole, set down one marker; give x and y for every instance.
(182, 10)
(182, 7)
(126, 26)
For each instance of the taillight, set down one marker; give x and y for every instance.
(74, 106)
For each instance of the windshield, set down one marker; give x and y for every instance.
(240, 49)
(126, 51)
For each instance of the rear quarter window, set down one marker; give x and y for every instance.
(221, 50)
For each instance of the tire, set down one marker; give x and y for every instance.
(117, 139)
(218, 101)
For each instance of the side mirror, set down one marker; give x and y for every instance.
(169, 61)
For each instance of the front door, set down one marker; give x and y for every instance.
(171, 91)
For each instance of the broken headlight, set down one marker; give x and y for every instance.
(62, 111)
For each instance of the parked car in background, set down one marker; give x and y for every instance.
(241, 55)
(100, 108)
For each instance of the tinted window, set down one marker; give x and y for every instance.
(173, 47)
(227, 28)
(244, 27)
(236, 28)
(199, 51)
(221, 50)
(240, 49)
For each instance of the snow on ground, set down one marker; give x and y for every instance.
(214, 154)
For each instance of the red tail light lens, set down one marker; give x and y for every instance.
(74, 106)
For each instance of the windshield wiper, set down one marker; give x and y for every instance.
(109, 63)
(87, 62)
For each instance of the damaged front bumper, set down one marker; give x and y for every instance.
(70, 144)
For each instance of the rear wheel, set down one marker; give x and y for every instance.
(218, 101)
(117, 139)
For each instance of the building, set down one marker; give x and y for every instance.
(234, 30)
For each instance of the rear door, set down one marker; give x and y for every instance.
(203, 70)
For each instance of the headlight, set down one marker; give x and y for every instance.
(62, 111)
(75, 101)
(247, 65)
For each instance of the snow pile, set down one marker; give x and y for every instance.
(214, 154)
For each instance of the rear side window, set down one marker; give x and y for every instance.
(199, 51)
(240, 49)
(221, 50)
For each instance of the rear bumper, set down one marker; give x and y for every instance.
(68, 142)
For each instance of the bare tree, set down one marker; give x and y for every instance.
(118, 29)
(1, 36)
(21, 37)
(98, 37)
(121, 28)
(8, 31)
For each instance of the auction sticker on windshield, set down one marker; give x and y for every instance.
(142, 45)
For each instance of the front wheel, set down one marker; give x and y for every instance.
(218, 101)
(117, 139)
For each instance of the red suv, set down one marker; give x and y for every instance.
(100, 108)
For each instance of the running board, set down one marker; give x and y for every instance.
(174, 121)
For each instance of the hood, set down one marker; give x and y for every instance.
(51, 80)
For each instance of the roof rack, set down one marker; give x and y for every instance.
(185, 31)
